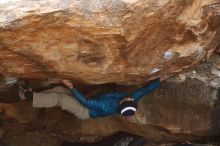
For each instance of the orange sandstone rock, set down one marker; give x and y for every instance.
(103, 41)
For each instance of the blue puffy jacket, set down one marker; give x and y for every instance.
(108, 103)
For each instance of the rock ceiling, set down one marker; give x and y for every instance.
(103, 41)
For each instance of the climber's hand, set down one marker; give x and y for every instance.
(68, 83)
(164, 77)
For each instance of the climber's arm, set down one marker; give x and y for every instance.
(137, 94)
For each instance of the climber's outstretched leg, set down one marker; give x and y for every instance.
(66, 102)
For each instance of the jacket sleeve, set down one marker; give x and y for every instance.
(145, 89)
(89, 103)
(117, 95)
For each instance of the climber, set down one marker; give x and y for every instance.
(98, 106)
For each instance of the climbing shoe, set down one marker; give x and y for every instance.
(25, 90)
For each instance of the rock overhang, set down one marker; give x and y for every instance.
(97, 42)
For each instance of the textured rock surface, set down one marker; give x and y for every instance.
(96, 41)
(218, 50)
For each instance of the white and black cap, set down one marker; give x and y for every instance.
(128, 108)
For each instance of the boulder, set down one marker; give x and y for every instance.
(104, 41)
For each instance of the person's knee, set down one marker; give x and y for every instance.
(83, 118)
